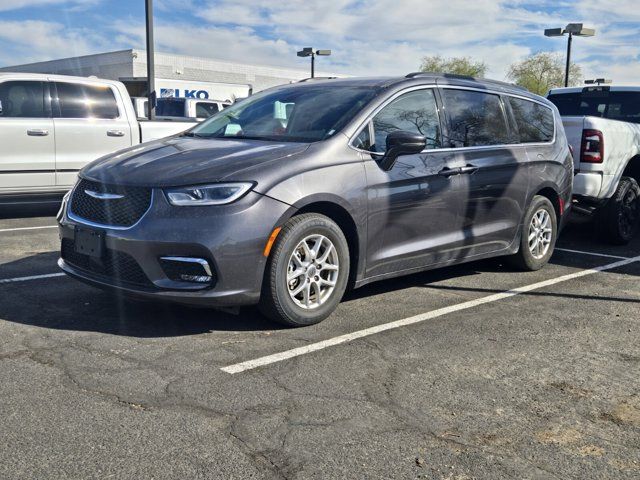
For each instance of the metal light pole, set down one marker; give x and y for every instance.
(566, 69)
(572, 29)
(309, 52)
(151, 75)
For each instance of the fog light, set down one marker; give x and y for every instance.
(196, 278)
(187, 269)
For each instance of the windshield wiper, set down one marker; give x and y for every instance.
(193, 134)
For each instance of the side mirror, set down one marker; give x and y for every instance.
(400, 143)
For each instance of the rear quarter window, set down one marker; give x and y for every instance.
(534, 121)
(476, 118)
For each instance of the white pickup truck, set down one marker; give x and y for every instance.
(602, 124)
(53, 125)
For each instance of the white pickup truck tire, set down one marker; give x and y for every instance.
(619, 218)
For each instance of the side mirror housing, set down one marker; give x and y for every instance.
(400, 143)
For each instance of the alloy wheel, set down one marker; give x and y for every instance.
(540, 233)
(312, 271)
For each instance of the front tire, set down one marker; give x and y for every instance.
(539, 235)
(307, 271)
(618, 219)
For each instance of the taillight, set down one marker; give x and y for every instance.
(592, 150)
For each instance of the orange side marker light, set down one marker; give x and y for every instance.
(271, 241)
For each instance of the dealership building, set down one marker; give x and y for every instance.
(130, 67)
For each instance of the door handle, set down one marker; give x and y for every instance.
(449, 172)
(115, 133)
(37, 132)
(469, 169)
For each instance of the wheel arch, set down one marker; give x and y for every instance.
(341, 213)
(553, 196)
(633, 168)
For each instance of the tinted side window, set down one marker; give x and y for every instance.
(535, 122)
(476, 118)
(205, 110)
(86, 101)
(169, 107)
(414, 112)
(22, 100)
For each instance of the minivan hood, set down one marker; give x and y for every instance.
(177, 161)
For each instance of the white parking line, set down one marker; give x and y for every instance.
(26, 228)
(279, 357)
(32, 277)
(595, 254)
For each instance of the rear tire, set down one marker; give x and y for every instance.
(539, 235)
(307, 271)
(618, 219)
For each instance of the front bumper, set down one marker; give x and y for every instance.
(230, 237)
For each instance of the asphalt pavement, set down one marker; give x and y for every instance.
(475, 371)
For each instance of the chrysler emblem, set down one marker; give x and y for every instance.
(103, 195)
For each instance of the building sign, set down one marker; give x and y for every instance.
(183, 93)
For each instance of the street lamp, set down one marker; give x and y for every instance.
(309, 52)
(572, 29)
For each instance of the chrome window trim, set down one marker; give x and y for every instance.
(89, 223)
(201, 261)
(449, 149)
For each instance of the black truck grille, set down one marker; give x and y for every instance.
(117, 212)
(115, 266)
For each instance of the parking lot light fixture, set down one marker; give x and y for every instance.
(573, 29)
(309, 52)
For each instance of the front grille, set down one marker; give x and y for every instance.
(118, 267)
(117, 212)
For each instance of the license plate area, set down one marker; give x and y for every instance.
(89, 242)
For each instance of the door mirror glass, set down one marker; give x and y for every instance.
(401, 142)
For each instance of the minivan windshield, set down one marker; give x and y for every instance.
(599, 102)
(298, 113)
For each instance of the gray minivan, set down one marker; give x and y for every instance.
(289, 197)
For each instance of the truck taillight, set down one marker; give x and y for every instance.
(592, 150)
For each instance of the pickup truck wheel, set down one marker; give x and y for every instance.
(539, 234)
(307, 271)
(619, 217)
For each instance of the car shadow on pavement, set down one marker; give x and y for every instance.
(66, 304)
(48, 209)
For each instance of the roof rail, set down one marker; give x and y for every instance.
(316, 78)
(464, 77)
(435, 74)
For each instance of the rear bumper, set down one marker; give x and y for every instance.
(230, 238)
(587, 184)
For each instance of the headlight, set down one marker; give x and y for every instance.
(215, 194)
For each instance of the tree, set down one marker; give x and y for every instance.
(455, 65)
(542, 71)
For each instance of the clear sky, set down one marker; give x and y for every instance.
(368, 37)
